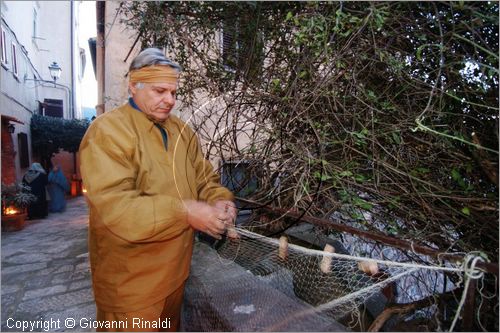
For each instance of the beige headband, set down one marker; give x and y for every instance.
(154, 74)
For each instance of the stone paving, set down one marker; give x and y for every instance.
(46, 282)
(46, 274)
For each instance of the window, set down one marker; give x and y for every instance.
(242, 48)
(230, 45)
(41, 106)
(14, 59)
(239, 178)
(24, 158)
(53, 107)
(83, 62)
(4, 47)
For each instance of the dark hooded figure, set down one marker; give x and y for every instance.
(58, 186)
(36, 179)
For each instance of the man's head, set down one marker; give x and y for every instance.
(153, 83)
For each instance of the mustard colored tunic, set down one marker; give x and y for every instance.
(140, 244)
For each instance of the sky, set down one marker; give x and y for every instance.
(87, 29)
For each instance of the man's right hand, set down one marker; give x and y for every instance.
(205, 218)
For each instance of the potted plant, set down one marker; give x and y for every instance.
(15, 198)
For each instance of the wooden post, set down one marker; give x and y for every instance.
(468, 310)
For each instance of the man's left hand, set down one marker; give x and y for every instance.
(230, 208)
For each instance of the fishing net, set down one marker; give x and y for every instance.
(259, 283)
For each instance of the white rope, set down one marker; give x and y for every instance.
(345, 256)
(470, 273)
(366, 290)
(227, 261)
(481, 299)
(328, 306)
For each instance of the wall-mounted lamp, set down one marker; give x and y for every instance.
(11, 128)
(55, 71)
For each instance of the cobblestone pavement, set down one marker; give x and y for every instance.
(45, 273)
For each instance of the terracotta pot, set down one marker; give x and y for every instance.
(14, 222)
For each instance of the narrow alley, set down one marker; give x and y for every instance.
(46, 274)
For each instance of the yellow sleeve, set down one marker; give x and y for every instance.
(207, 181)
(108, 172)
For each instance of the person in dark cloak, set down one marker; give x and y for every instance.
(36, 179)
(58, 186)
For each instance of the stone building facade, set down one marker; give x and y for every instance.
(35, 34)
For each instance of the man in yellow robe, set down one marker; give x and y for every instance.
(148, 189)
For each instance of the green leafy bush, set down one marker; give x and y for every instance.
(49, 135)
(17, 195)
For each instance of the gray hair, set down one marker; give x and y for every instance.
(152, 56)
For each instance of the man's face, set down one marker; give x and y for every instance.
(156, 100)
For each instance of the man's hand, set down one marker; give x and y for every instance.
(207, 219)
(227, 207)
(230, 208)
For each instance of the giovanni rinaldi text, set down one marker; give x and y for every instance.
(55, 324)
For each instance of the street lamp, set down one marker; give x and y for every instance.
(55, 71)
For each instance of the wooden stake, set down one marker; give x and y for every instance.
(369, 267)
(469, 307)
(283, 248)
(326, 262)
